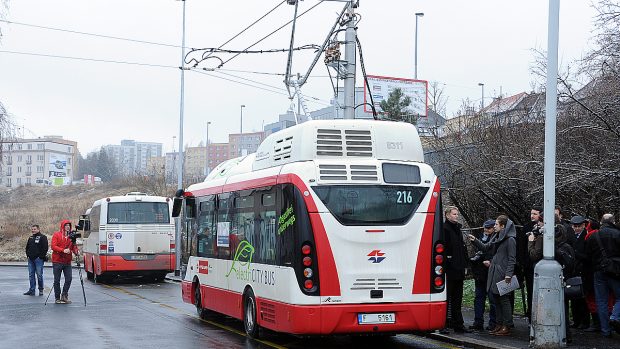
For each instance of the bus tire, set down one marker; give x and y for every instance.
(249, 314)
(202, 312)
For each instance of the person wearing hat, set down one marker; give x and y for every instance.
(579, 307)
(480, 268)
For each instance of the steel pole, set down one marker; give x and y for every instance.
(415, 73)
(350, 52)
(177, 270)
(549, 330)
(207, 151)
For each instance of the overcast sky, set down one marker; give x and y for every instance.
(460, 44)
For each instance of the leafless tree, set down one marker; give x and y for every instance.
(437, 98)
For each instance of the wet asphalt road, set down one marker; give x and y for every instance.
(139, 314)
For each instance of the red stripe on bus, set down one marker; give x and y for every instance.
(422, 276)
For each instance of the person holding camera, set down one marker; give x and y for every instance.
(63, 246)
(36, 251)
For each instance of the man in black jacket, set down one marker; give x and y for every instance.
(524, 264)
(456, 255)
(36, 251)
(480, 269)
(607, 239)
(579, 308)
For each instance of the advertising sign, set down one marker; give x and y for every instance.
(58, 170)
(382, 86)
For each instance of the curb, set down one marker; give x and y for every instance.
(468, 342)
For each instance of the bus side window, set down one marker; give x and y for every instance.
(207, 238)
(286, 236)
(223, 219)
(266, 224)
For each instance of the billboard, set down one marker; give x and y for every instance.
(58, 170)
(382, 86)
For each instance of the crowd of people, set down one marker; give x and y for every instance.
(588, 250)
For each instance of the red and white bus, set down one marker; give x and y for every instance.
(131, 235)
(330, 227)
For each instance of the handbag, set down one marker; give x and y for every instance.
(610, 266)
(573, 288)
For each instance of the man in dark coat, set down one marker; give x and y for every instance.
(606, 239)
(36, 251)
(579, 308)
(480, 269)
(456, 261)
(524, 264)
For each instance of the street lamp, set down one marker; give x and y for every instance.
(207, 150)
(482, 99)
(242, 106)
(417, 15)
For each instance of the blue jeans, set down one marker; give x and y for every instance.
(479, 302)
(602, 285)
(35, 266)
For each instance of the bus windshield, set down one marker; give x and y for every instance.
(138, 213)
(371, 204)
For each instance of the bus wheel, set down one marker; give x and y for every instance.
(249, 314)
(202, 312)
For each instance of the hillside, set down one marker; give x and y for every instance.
(45, 206)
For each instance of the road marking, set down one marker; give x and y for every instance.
(432, 342)
(210, 322)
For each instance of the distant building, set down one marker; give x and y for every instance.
(244, 143)
(130, 157)
(50, 160)
(284, 121)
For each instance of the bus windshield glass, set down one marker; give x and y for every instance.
(138, 213)
(371, 204)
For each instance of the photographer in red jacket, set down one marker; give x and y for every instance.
(62, 248)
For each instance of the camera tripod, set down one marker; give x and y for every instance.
(79, 266)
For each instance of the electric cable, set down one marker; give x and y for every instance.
(88, 59)
(372, 102)
(273, 32)
(90, 34)
(248, 27)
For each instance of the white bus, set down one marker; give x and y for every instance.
(131, 235)
(330, 227)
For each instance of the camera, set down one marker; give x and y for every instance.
(73, 235)
(476, 257)
(537, 231)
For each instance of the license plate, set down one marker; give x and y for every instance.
(139, 257)
(383, 318)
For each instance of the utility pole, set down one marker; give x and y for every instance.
(207, 151)
(549, 331)
(241, 125)
(417, 15)
(482, 99)
(177, 270)
(350, 52)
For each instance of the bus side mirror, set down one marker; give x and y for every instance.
(190, 207)
(177, 203)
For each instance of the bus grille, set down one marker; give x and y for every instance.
(282, 149)
(353, 172)
(357, 143)
(268, 312)
(376, 284)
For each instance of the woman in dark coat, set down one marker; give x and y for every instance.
(501, 270)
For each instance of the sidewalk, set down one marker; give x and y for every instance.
(520, 336)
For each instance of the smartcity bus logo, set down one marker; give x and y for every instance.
(243, 260)
(376, 256)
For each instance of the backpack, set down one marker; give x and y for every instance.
(565, 255)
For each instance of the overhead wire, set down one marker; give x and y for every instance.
(273, 32)
(90, 34)
(251, 25)
(88, 59)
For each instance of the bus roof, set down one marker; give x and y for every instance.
(329, 140)
(132, 198)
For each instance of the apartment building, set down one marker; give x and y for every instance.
(131, 157)
(49, 160)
